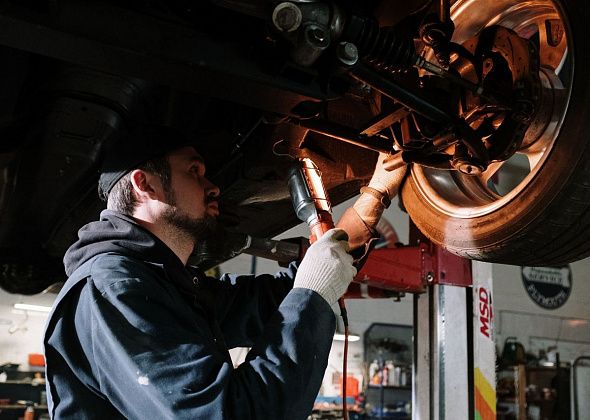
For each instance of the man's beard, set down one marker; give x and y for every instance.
(197, 228)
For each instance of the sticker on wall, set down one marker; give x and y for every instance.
(548, 287)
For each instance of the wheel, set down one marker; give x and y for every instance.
(533, 209)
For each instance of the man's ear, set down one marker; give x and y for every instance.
(146, 185)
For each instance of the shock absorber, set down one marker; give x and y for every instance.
(383, 48)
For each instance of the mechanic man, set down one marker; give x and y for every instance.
(136, 333)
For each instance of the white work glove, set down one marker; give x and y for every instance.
(327, 266)
(387, 182)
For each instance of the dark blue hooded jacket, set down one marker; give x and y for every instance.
(135, 334)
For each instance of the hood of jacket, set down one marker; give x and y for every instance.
(121, 234)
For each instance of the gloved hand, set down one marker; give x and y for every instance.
(387, 182)
(360, 221)
(327, 267)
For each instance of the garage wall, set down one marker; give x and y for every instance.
(567, 327)
(21, 333)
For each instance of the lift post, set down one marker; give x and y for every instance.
(454, 352)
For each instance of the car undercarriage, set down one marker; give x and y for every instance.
(483, 101)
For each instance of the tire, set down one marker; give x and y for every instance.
(545, 219)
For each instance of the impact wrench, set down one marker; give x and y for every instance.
(311, 204)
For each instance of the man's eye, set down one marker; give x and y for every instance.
(197, 170)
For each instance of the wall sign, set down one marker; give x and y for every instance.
(548, 287)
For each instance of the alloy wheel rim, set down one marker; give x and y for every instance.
(465, 196)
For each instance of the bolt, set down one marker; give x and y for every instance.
(286, 17)
(348, 53)
(470, 169)
(488, 65)
(349, 50)
(467, 167)
(555, 32)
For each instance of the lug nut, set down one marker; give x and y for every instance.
(467, 167)
(348, 53)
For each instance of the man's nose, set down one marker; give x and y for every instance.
(212, 190)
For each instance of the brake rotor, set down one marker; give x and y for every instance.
(506, 67)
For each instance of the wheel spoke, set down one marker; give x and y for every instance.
(552, 44)
(534, 158)
(475, 188)
(535, 151)
(492, 169)
(543, 131)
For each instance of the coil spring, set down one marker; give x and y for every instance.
(384, 48)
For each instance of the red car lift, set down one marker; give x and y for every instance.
(454, 352)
